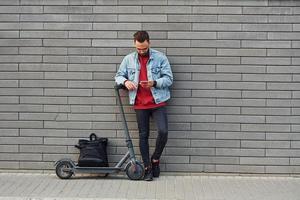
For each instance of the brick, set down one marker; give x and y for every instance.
(265, 127)
(215, 60)
(216, 77)
(283, 52)
(57, 108)
(242, 18)
(9, 99)
(93, 18)
(21, 75)
(241, 68)
(91, 51)
(191, 51)
(265, 44)
(282, 136)
(240, 135)
(43, 18)
(240, 169)
(9, 83)
(111, 43)
(117, 9)
(240, 119)
(215, 110)
(189, 151)
(214, 160)
(241, 52)
(283, 36)
(68, 92)
(216, 93)
(216, 10)
(192, 35)
(265, 111)
(282, 152)
(9, 148)
(267, 27)
(243, 35)
(66, 59)
(42, 67)
(268, 10)
(92, 100)
(167, 9)
(21, 157)
(8, 116)
(9, 17)
(191, 118)
(215, 143)
(216, 43)
(43, 133)
(264, 161)
(43, 50)
(91, 117)
(67, 42)
(193, 68)
(167, 26)
(20, 42)
(282, 119)
(21, 26)
(241, 102)
(282, 169)
(21, 9)
(68, 9)
(9, 34)
(9, 132)
(283, 3)
(284, 19)
(22, 140)
(282, 86)
(21, 91)
(43, 2)
(183, 2)
(241, 85)
(193, 101)
(216, 126)
(43, 116)
(216, 27)
(267, 94)
(68, 75)
(170, 43)
(192, 18)
(243, 3)
(8, 67)
(266, 77)
(43, 34)
(21, 108)
(239, 152)
(117, 26)
(66, 125)
(8, 50)
(265, 61)
(67, 26)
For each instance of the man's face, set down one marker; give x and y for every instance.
(142, 47)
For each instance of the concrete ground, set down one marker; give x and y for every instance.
(38, 186)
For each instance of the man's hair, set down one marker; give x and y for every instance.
(141, 36)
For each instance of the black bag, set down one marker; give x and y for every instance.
(92, 152)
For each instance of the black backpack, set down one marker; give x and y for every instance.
(92, 152)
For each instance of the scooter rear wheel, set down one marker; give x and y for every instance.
(64, 170)
(135, 171)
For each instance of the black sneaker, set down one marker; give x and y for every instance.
(148, 175)
(155, 169)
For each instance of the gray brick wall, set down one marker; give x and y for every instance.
(235, 105)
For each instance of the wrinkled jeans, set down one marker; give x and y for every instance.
(159, 115)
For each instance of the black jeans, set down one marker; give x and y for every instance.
(160, 117)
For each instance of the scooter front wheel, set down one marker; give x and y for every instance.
(64, 170)
(135, 171)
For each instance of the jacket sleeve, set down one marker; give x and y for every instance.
(121, 75)
(166, 78)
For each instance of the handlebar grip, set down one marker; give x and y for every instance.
(120, 86)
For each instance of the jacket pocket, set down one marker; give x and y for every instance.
(131, 73)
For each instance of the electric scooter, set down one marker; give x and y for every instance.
(65, 168)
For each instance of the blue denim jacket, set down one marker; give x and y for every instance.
(158, 69)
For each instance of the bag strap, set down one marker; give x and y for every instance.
(93, 137)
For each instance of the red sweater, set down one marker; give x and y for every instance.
(144, 98)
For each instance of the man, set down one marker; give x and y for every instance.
(147, 75)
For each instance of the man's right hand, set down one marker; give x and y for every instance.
(130, 85)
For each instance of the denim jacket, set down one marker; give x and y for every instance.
(158, 69)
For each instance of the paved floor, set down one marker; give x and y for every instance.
(32, 186)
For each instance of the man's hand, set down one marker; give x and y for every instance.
(147, 84)
(130, 85)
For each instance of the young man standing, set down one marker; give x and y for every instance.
(147, 75)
